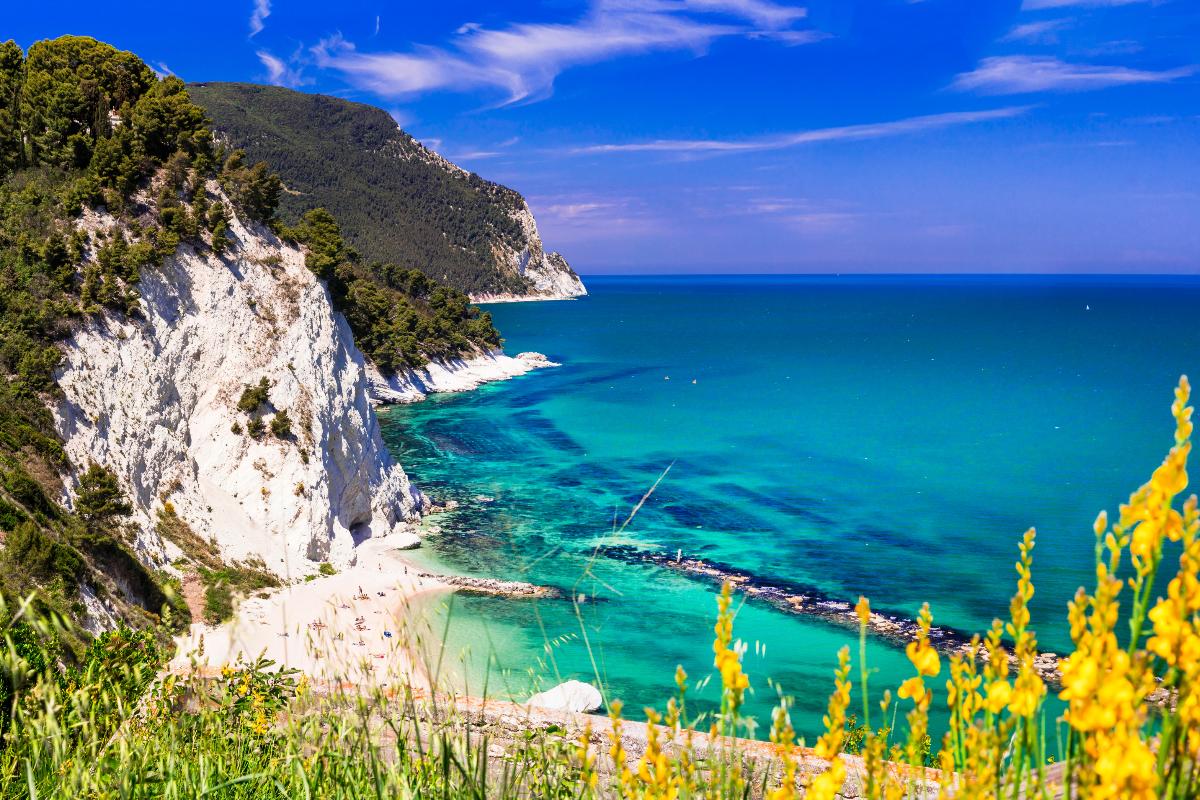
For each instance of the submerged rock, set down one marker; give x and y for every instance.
(794, 598)
(574, 696)
(494, 587)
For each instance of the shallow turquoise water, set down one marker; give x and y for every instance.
(887, 436)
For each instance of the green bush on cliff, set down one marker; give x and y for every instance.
(281, 425)
(400, 317)
(100, 499)
(254, 396)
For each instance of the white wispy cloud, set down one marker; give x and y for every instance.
(262, 10)
(761, 12)
(523, 59)
(801, 213)
(279, 72)
(493, 151)
(1034, 5)
(1041, 31)
(573, 217)
(1023, 74)
(474, 155)
(576, 210)
(874, 130)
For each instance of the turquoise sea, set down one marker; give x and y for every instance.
(889, 436)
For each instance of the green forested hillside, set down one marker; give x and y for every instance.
(86, 126)
(395, 200)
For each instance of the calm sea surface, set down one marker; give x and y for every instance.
(891, 436)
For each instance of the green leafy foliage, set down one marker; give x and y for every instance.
(254, 396)
(109, 674)
(397, 202)
(223, 584)
(400, 317)
(100, 498)
(281, 425)
(30, 549)
(254, 189)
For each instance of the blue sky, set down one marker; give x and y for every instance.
(757, 135)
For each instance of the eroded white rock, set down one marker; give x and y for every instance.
(455, 375)
(572, 695)
(547, 273)
(155, 400)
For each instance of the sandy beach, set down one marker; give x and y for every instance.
(352, 627)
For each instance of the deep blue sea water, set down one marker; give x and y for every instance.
(889, 436)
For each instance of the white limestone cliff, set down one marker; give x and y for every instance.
(547, 275)
(155, 400)
(457, 375)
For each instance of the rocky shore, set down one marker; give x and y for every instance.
(495, 588)
(793, 598)
(450, 375)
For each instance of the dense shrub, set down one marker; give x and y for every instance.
(255, 396)
(281, 425)
(100, 498)
(31, 550)
(400, 317)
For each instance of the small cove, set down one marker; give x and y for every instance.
(886, 436)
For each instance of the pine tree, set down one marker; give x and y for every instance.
(100, 498)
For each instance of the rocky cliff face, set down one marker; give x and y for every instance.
(547, 275)
(155, 399)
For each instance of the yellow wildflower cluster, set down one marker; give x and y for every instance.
(783, 736)
(585, 761)
(726, 658)
(924, 658)
(829, 746)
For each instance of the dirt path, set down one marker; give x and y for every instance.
(193, 595)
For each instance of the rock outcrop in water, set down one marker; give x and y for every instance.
(495, 587)
(807, 601)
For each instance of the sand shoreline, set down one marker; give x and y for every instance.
(354, 626)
